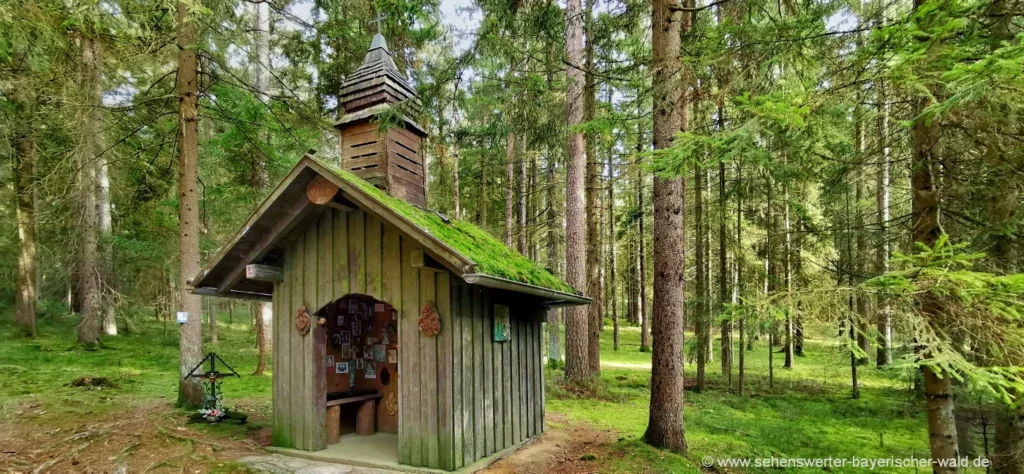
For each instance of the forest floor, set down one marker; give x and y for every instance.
(48, 425)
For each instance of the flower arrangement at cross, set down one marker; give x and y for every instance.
(214, 414)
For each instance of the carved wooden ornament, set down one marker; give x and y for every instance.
(302, 321)
(430, 321)
(391, 404)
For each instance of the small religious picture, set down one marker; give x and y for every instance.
(346, 351)
(371, 340)
(378, 308)
(346, 337)
(341, 320)
(357, 329)
(394, 315)
(329, 361)
(341, 368)
(359, 364)
(385, 338)
(502, 328)
(353, 306)
(392, 356)
(379, 352)
(371, 371)
(368, 352)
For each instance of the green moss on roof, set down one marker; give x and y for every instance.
(491, 256)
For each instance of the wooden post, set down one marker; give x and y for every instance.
(366, 418)
(333, 424)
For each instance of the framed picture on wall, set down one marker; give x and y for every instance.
(359, 364)
(341, 368)
(346, 351)
(371, 371)
(329, 361)
(502, 324)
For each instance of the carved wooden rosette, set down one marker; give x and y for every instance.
(430, 321)
(302, 321)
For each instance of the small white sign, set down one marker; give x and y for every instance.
(182, 317)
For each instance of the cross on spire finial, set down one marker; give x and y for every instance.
(380, 19)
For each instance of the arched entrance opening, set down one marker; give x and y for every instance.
(361, 373)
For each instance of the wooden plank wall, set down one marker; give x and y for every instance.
(497, 388)
(462, 396)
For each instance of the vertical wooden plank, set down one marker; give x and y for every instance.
(391, 271)
(310, 274)
(531, 388)
(517, 378)
(506, 348)
(458, 458)
(373, 257)
(341, 280)
(524, 369)
(538, 373)
(296, 419)
(356, 251)
(280, 433)
(466, 314)
(500, 384)
(445, 395)
(318, 334)
(428, 376)
(325, 262)
(479, 381)
(488, 359)
(409, 348)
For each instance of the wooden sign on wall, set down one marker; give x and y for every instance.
(502, 324)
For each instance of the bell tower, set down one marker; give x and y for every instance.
(391, 160)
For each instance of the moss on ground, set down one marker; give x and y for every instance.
(492, 257)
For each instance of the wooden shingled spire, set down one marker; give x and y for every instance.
(392, 159)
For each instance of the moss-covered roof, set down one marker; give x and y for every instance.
(492, 257)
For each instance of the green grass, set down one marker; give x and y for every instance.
(807, 414)
(143, 366)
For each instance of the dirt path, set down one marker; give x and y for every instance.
(567, 447)
(152, 437)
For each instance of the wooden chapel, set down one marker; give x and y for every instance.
(392, 323)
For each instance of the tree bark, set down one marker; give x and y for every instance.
(106, 249)
(740, 261)
(703, 328)
(510, 177)
(858, 262)
(190, 390)
(611, 253)
(593, 213)
(554, 345)
(642, 313)
(27, 290)
(89, 270)
(524, 191)
(666, 427)
(577, 366)
(883, 200)
(481, 210)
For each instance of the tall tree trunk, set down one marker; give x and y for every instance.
(554, 346)
(723, 280)
(643, 314)
(740, 261)
(89, 270)
(788, 269)
(190, 390)
(524, 185)
(265, 310)
(510, 178)
(27, 289)
(593, 213)
(702, 329)
(481, 210)
(771, 267)
(938, 386)
(858, 262)
(577, 366)
(455, 181)
(612, 303)
(108, 279)
(665, 428)
(882, 201)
